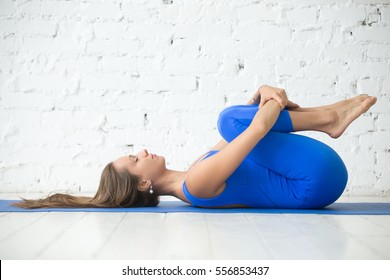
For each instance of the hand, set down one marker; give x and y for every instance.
(278, 94)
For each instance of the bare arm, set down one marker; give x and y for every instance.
(207, 176)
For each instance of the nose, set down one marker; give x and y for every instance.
(143, 152)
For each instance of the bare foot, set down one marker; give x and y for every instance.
(345, 113)
(340, 104)
(348, 102)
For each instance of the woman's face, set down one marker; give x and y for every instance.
(145, 165)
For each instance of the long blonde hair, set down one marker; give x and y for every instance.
(116, 189)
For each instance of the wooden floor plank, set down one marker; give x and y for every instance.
(84, 239)
(232, 236)
(36, 237)
(136, 237)
(12, 223)
(184, 236)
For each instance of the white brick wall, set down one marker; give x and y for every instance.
(83, 82)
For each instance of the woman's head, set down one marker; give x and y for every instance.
(149, 167)
(124, 182)
(120, 188)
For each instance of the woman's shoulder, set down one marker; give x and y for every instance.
(204, 155)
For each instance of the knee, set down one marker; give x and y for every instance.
(329, 181)
(226, 122)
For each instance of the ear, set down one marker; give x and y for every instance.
(144, 185)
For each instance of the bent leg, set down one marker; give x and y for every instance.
(295, 171)
(241, 116)
(303, 172)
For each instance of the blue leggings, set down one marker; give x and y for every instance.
(291, 170)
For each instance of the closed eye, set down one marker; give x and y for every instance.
(136, 158)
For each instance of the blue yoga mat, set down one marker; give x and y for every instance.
(178, 206)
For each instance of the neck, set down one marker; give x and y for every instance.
(170, 183)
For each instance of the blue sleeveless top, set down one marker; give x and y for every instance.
(240, 188)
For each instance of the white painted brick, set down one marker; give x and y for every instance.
(381, 140)
(369, 86)
(382, 184)
(382, 105)
(143, 30)
(182, 46)
(8, 27)
(21, 117)
(208, 82)
(386, 86)
(302, 16)
(213, 47)
(219, 12)
(261, 67)
(368, 69)
(211, 31)
(262, 33)
(48, 46)
(311, 51)
(113, 46)
(369, 2)
(313, 88)
(235, 83)
(57, 8)
(154, 82)
(82, 83)
(378, 51)
(363, 124)
(149, 65)
(70, 120)
(136, 12)
(385, 11)
(22, 177)
(118, 64)
(80, 176)
(202, 122)
(86, 65)
(328, 70)
(378, 34)
(383, 161)
(258, 13)
(36, 27)
(107, 81)
(22, 101)
(189, 65)
(105, 30)
(168, 121)
(288, 68)
(248, 50)
(7, 7)
(347, 16)
(188, 12)
(344, 52)
(96, 10)
(307, 35)
(124, 119)
(383, 122)
(36, 137)
(83, 137)
(135, 101)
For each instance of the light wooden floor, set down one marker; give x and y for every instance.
(192, 236)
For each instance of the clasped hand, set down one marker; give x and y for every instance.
(265, 93)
